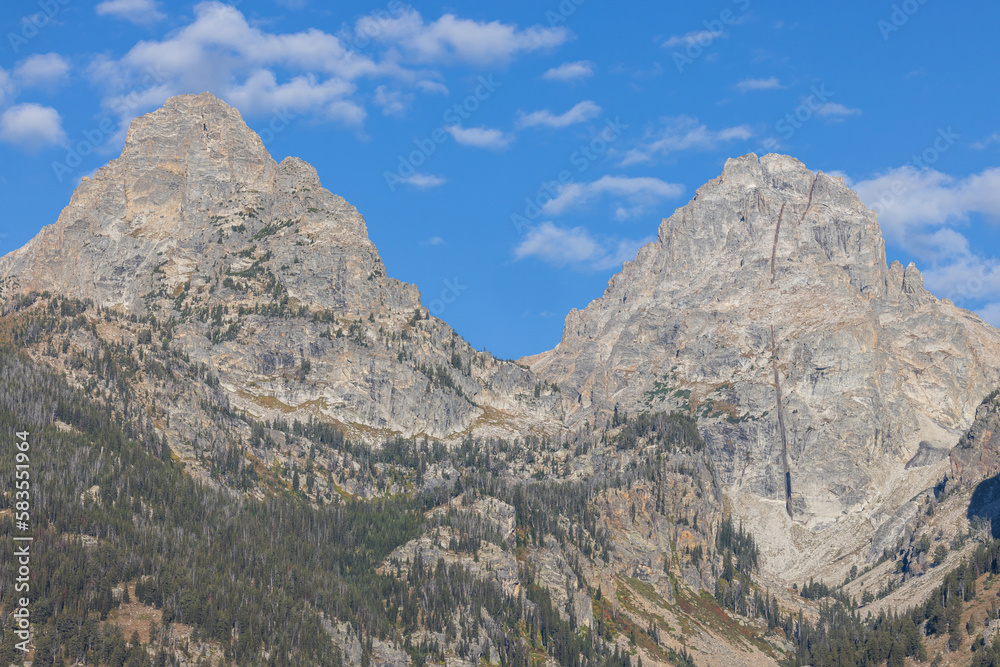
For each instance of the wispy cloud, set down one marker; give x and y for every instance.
(988, 141)
(680, 133)
(424, 181)
(574, 71)
(580, 113)
(142, 12)
(577, 247)
(692, 38)
(835, 111)
(635, 194)
(480, 137)
(748, 85)
(392, 102)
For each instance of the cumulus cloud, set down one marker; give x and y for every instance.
(919, 211)
(577, 247)
(636, 193)
(580, 113)
(748, 85)
(41, 69)
(908, 199)
(32, 125)
(480, 137)
(310, 72)
(574, 71)
(450, 38)
(680, 133)
(261, 93)
(142, 12)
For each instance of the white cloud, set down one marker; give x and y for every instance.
(770, 83)
(679, 133)
(836, 111)
(424, 181)
(580, 113)
(983, 143)
(919, 210)
(700, 37)
(991, 313)
(41, 69)
(312, 72)
(6, 87)
(261, 93)
(574, 71)
(562, 246)
(908, 200)
(142, 12)
(392, 102)
(432, 87)
(450, 38)
(480, 137)
(434, 240)
(32, 125)
(638, 192)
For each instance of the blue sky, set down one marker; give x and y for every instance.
(508, 157)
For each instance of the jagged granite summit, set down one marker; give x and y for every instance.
(766, 307)
(829, 387)
(257, 269)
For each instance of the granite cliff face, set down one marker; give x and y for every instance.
(265, 276)
(766, 307)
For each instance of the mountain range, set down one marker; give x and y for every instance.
(757, 405)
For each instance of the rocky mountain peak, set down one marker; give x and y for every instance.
(777, 220)
(195, 128)
(765, 308)
(259, 269)
(193, 187)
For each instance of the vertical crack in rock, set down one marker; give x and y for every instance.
(781, 426)
(809, 200)
(777, 230)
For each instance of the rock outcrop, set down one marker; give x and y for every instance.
(266, 277)
(766, 307)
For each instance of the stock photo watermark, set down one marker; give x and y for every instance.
(371, 26)
(562, 13)
(899, 16)
(795, 119)
(452, 117)
(942, 143)
(32, 24)
(22, 541)
(581, 158)
(697, 43)
(449, 294)
(108, 126)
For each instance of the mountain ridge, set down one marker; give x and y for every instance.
(765, 308)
